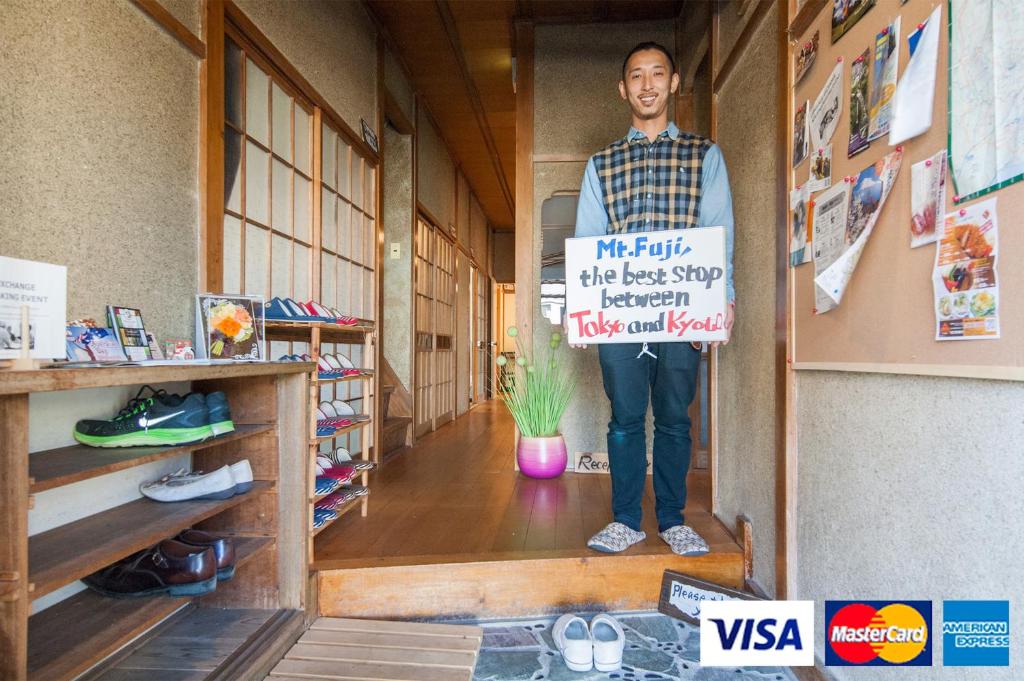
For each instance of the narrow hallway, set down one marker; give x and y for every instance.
(455, 497)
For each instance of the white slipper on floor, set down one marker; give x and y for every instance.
(572, 638)
(684, 541)
(609, 642)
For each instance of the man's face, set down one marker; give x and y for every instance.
(648, 84)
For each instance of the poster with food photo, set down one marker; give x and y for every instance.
(964, 277)
(927, 198)
(820, 171)
(799, 251)
(860, 112)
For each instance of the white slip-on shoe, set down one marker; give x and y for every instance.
(241, 472)
(684, 541)
(572, 638)
(616, 537)
(183, 486)
(609, 642)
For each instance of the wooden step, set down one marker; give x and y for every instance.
(394, 432)
(554, 582)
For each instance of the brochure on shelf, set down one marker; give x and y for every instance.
(42, 288)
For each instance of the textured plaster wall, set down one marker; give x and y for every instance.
(478, 231)
(462, 216)
(909, 487)
(99, 127)
(702, 99)
(503, 262)
(435, 178)
(731, 24)
(577, 107)
(398, 273)
(188, 12)
(398, 85)
(746, 414)
(332, 44)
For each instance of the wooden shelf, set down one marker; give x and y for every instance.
(65, 465)
(342, 431)
(329, 333)
(343, 379)
(341, 510)
(64, 554)
(73, 635)
(51, 379)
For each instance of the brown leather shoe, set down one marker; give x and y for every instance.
(170, 568)
(222, 547)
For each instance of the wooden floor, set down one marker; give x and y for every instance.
(455, 497)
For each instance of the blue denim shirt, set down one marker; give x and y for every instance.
(715, 201)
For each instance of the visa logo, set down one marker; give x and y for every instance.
(789, 636)
(757, 633)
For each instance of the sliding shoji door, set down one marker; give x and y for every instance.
(435, 329)
(423, 379)
(347, 251)
(481, 337)
(268, 176)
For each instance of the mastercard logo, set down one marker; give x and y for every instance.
(878, 633)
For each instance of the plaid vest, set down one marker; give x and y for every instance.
(650, 186)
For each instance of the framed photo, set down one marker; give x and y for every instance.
(369, 137)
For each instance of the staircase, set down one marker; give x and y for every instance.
(396, 410)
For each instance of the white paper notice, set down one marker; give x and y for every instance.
(927, 198)
(819, 174)
(867, 198)
(915, 94)
(828, 107)
(43, 288)
(799, 253)
(829, 224)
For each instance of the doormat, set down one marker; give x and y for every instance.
(657, 648)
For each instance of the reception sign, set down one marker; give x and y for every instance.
(648, 287)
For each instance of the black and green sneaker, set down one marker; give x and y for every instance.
(158, 419)
(220, 413)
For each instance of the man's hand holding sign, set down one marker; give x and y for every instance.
(647, 287)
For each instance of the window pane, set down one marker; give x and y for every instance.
(257, 169)
(369, 289)
(257, 95)
(329, 157)
(303, 215)
(357, 237)
(300, 280)
(282, 122)
(233, 83)
(357, 181)
(327, 281)
(302, 140)
(281, 184)
(232, 170)
(341, 290)
(369, 200)
(344, 172)
(257, 252)
(232, 254)
(330, 224)
(356, 292)
(371, 242)
(344, 228)
(280, 267)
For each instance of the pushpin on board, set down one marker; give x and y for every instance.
(956, 198)
(900, 148)
(963, 212)
(920, 27)
(928, 163)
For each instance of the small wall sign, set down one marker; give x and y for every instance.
(682, 596)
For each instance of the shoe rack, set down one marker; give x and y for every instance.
(267, 523)
(316, 334)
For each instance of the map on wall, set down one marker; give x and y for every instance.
(986, 95)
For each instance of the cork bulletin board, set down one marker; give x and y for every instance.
(886, 320)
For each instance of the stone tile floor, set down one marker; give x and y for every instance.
(657, 648)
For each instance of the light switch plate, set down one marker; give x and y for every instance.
(396, 250)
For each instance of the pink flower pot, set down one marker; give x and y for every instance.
(542, 457)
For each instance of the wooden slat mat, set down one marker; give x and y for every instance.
(371, 650)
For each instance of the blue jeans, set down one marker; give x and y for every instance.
(669, 383)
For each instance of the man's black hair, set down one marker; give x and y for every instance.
(649, 45)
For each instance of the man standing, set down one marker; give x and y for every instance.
(653, 179)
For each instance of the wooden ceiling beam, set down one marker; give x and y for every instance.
(448, 20)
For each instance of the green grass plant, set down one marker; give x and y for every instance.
(536, 393)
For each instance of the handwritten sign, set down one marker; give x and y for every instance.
(682, 596)
(646, 287)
